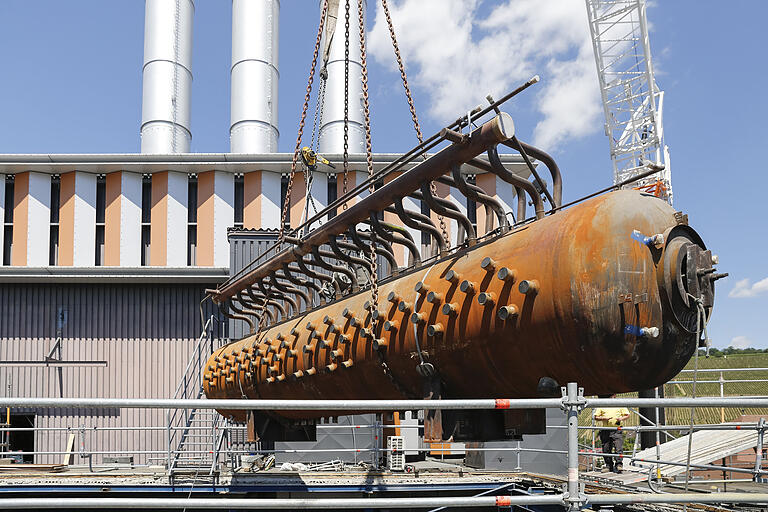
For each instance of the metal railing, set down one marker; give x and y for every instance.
(180, 422)
(573, 496)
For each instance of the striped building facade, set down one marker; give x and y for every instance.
(106, 259)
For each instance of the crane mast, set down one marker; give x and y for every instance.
(632, 102)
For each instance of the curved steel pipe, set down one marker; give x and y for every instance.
(313, 274)
(339, 269)
(271, 300)
(244, 311)
(286, 296)
(503, 173)
(418, 220)
(319, 276)
(350, 258)
(548, 161)
(475, 193)
(294, 290)
(224, 307)
(498, 129)
(311, 286)
(258, 297)
(522, 204)
(390, 233)
(448, 209)
(381, 249)
(308, 283)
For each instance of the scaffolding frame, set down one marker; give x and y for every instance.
(573, 496)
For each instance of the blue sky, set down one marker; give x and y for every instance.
(71, 83)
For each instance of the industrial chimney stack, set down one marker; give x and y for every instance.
(254, 74)
(167, 72)
(332, 123)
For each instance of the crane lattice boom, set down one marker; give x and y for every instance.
(632, 102)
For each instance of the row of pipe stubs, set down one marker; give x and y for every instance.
(336, 343)
(418, 315)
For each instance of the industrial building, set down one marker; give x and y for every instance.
(106, 257)
(246, 329)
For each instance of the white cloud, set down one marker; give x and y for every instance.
(458, 54)
(743, 289)
(741, 342)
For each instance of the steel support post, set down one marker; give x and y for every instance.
(573, 401)
(759, 450)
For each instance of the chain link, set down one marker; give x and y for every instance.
(374, 303)
(319, 108)
(346, 101)
(297, 148)
(412, 108)
(369, 160)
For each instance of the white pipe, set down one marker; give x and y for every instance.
(254, 75)
(360, 503)
(375, 405)
(167, 76)
(331, 138)
(277, 503)
(287, 405)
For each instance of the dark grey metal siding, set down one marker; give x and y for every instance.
(245, 245)
(103, 311)
(144, 332)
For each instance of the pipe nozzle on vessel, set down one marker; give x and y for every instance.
(435, 330)
(507, 312)
(529, 287)
(486, 298)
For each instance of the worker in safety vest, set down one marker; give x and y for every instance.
(613, 439)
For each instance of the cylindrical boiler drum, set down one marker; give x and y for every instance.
(606, 293)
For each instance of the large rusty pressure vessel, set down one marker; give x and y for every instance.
(606, 293)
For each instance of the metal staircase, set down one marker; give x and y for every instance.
(194, 435)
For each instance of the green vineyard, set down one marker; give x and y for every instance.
(708, 384)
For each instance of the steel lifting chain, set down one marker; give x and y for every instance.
(304, 109)
(294, 162)
(374, 303)
(319, 109)
(368, 159)
(346, 102)
(412, 107)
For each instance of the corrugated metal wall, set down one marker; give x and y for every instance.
(102, 311)
(144, 332)
(245, 245)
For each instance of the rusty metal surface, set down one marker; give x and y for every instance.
(580, 285)
(498, 129)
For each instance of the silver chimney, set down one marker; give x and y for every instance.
(254, 74)
(332, 123)
(167, 73)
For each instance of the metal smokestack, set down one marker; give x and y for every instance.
(254, 75)
(332, 123)
(167, 73)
